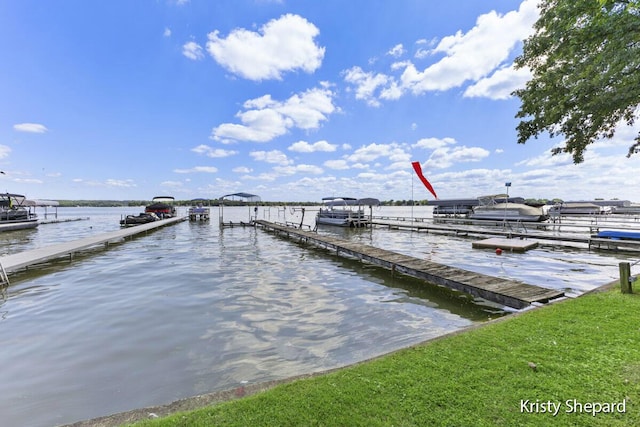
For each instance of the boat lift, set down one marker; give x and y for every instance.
(242, 197)
(199, 211)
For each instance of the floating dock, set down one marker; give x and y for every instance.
(513, 245)
(56, 221)
(507, 292)
(14, 262)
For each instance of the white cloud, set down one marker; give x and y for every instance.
(473, 57)
(242, 169)
(172, 184)
(336, 164)
(29, 181)
(30, 128)
(281, 45)
(360, 166)
(477, 53)
(500, 84)
(4, 151)
(433, 143)
(213, 152)
(444, 157)
(262, 177)
(112, 183)
(120, 183)
(306, 169)
(373, 151)
(305, 147)
(397, 50)
(196, 169)
(273, 156)
(366, 84)
(192, 50)
(167, 32)
(265, 119)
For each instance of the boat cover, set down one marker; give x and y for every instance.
(619, 235)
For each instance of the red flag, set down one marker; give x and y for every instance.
(418, 169)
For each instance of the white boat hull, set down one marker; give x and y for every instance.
(510, 212)
(18, 225)
(342, 219)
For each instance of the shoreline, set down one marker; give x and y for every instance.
(207, 399)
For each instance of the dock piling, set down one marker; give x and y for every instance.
(625, 278)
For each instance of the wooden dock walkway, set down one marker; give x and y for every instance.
(507, 292)
(14, 262)
(57, 221)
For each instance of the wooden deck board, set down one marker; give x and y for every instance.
(14, 262)
(508, 292)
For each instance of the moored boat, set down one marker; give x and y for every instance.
(199, 210)
(162, 206)
(579, 208)
(142, 218)
(618, 235)
(498, 208)
(345, 211)
(15, 213)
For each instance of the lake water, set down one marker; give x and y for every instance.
(190, 308)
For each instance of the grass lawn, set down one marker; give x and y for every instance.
(587, 349)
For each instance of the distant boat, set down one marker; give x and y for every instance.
(496, 208)
(453, 207)
(199, 210)
(462, 207)
(142, 218)
(578, 208)
(345, 211)
(15, 213)
(632, 209)
(618, 235)
(162, 206)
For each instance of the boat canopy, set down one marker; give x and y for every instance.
(165, 199)
(13, 199)
(350, 201)
(242, 196)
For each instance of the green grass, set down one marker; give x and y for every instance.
(586, 349)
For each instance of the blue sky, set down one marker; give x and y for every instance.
(290, 100)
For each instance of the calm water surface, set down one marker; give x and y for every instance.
(190, 309)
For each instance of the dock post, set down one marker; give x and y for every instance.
(625, 278)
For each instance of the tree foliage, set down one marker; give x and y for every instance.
(585, 59)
